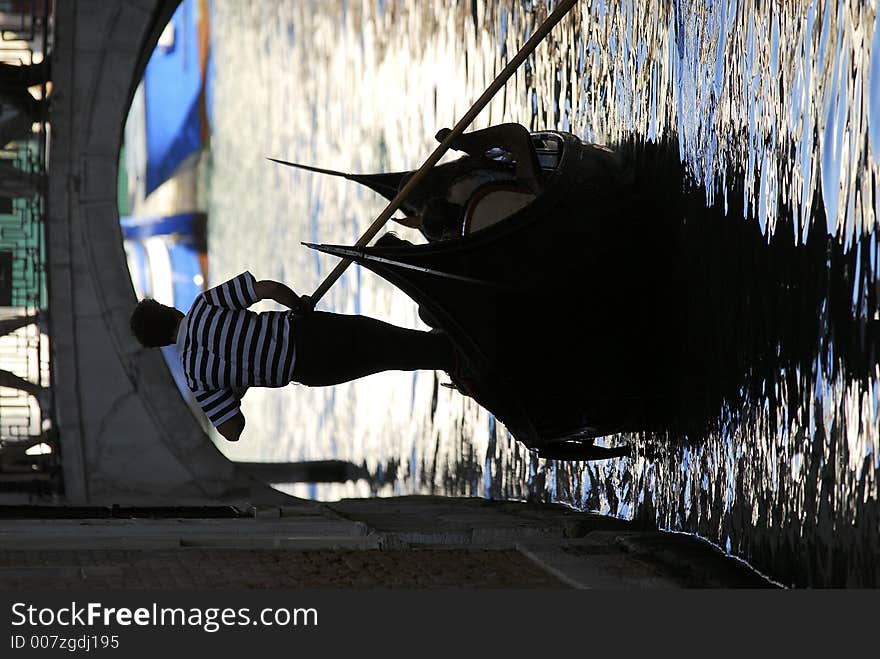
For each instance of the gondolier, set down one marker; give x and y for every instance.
(225, 348)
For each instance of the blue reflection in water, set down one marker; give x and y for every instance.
(874, 93)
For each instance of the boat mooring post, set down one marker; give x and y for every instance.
(561, 10)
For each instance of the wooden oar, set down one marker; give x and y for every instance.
(561, 10)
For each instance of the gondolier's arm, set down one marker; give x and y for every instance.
(282, 294)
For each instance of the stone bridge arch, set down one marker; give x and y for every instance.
(127, 436)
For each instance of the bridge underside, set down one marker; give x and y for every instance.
(127, 436)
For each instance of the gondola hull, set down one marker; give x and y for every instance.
(572, 311)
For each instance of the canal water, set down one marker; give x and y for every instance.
(775, 111)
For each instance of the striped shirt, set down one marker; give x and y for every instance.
(224, 346)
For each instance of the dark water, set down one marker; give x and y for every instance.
(772, 449)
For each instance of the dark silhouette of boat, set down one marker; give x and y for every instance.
(560, 307)
(615, 301)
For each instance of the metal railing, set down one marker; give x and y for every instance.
(30, 461)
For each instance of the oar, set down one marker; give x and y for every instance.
(561, 10)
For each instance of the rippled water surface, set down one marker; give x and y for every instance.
(776, 109)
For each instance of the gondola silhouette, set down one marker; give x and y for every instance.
(615, 301)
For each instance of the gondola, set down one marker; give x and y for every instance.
(571, 310)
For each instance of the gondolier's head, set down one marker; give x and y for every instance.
(153, 324)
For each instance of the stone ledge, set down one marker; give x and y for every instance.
(412, 542)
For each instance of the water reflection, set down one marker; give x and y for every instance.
(784, 351)
(773, 451)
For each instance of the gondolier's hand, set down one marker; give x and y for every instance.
(304, 306)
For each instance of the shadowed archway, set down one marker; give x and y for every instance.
(127, 436)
